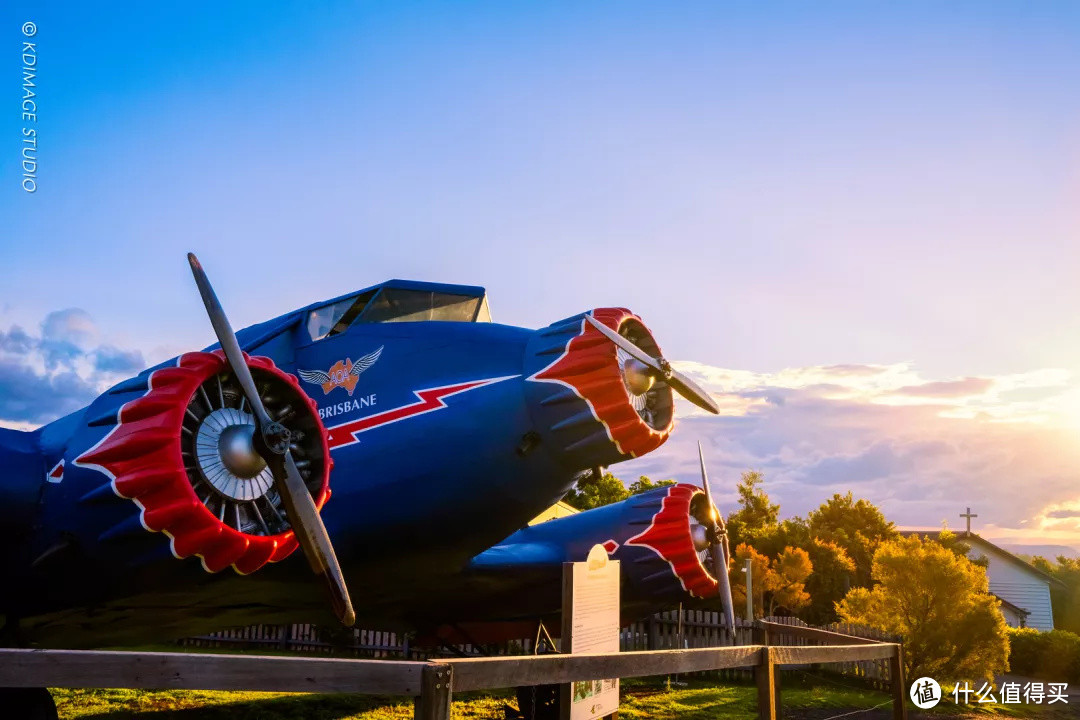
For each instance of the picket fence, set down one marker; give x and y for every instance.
(664, 631)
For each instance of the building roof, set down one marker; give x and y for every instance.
(973, 537)
(1015, 608)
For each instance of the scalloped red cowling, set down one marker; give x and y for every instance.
(669, 536)
(142, 457)
(589, 366)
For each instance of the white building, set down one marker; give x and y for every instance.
(1023, 589)
(1016, 582)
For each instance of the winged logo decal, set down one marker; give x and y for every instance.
(343, 373)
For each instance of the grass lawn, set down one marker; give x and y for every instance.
(802, 697)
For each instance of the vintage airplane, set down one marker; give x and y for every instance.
(398, 422)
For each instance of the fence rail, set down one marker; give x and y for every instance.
(670, 630)
(432, 682)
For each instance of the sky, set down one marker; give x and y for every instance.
(856, 223)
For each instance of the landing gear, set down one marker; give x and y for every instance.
(27, 704)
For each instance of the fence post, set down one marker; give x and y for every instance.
(765, 676)
(899, 686)
(435, 692)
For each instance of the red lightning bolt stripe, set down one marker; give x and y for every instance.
(429, 400)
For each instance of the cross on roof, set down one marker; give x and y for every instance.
(968, 515)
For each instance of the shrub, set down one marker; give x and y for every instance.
(1053, 655)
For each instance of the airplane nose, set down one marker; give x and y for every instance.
(590, 401)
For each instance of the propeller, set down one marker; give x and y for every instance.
(271, 442)
(660, 368)
(719, 549)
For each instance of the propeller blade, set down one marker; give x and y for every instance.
(720, 570)
(229, 345)
(312, 536)
(630, 348)
(705, 479)
(692, 391)
(303, 515)
(720, 552)
(660, 367)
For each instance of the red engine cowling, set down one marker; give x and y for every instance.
(178, 453)
(572, 359)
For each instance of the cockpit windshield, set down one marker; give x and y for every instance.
(395, 304)
(336, 317)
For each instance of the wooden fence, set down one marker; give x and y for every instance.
(670, 630)
(433, 683)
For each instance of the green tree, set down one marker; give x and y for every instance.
(756, 515)
(940, 602)
(772, 539)
(855, 525)
(955, 544)
(644, 484)
(1065, 598)
(593, 492)
(830, 582)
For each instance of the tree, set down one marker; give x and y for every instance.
(759, 568)
(644, 484)
(775, 584)
(786, 584)
(940, 602)
(855, 525)
(756, 513)
(829, 583)
(1065, 598)
(593, 492)
(952, 542)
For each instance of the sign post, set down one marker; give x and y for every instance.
(590, 624)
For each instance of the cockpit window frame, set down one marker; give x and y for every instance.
(363, 302)
(357, 304)
(398, 298)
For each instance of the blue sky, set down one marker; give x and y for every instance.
(771, 186)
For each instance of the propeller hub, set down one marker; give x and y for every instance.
(276, 437)
(227, 458)
(637, 376)
(236, 444)
(700, 535)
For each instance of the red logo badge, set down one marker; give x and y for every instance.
(344, 373)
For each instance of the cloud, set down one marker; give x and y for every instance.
(58, 371)
(112, 359)
(29, 397)
(949, 388)
(1005, 445)
(72, 325)
(16, 341)
(66, 335)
